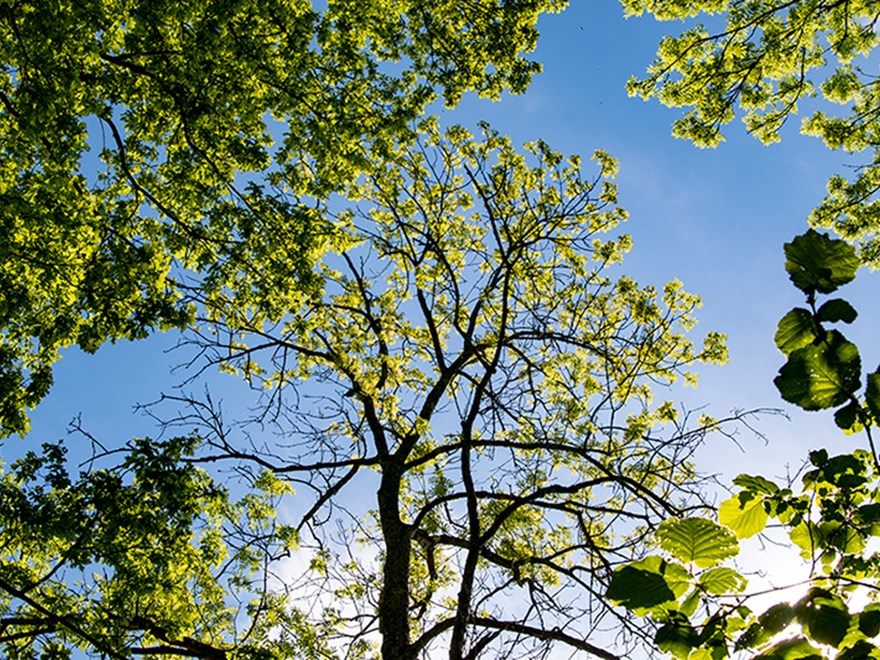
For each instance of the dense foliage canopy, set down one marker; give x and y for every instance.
(141, 138)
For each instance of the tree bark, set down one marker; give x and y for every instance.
(394, 603)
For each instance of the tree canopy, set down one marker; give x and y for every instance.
(455, 444)
(768, 59)
(472, 361)
(142, 139)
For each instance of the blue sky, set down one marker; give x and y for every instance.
(715, 219)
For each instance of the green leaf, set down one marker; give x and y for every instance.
(836, 310)
(776, 618)
(640, 585)
(744, 515)
(819, 457)
(869, 620)
(677, 637)
(756, 484)
(690, 604)
(807, 537)
(816, 262)
(847, 417)
(697, 540)
(822, 375)
(722, 580)
(869, 514)
(861, 650)
(823, 616)
(715, 630)
(795, 330)
(796, 648)
(872, 395)
(813, 538)
(769, 624)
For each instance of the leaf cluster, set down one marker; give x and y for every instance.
(823, 369)
(147, 557)
(704, 613)
(150, 146)
(833, 520)
(766, 59)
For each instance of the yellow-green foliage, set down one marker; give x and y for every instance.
(763, 59)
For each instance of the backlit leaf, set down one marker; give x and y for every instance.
(640, 585)
(795, 330)
(837, 310)
(797, 648)
(869, 620)
(823, 616)
(861, 650)
(677, 638)
(769, 624)
(872, 395)
(816, 262)
(806, 536)
(697, 540)
(756, 484)
(821, 375)
(848, 416)
(722, 580)
(746, 517)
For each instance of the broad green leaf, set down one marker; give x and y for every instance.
(795, 330)
(861, 650)
(641, 585)
(836, 310)
(869, 514)
(807, 537)
(816, 262)
(819, 457)
(716, 629)
(824, 617)
(690, 604)
(676, 637)
(697, 540)
(813, 538)
(869, 620)
(776, 618)
(846, 539)
(756, 484)
(797, 648)
(745, 516)
(822, 375)
(772, 622)
(872, 395)
(847, 417)
(722, 580)
(828, 625)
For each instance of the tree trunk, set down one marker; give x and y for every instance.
(394, 604)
